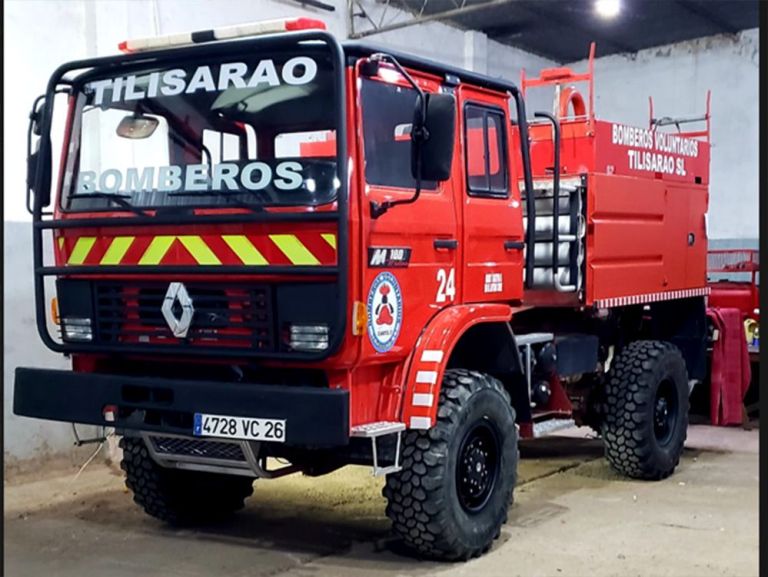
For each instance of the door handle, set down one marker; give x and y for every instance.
(514, 245)
(446, 243)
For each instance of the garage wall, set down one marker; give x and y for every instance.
(28, 62)
(678, 77)
(41, 34)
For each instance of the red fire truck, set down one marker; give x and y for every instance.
(269, 244)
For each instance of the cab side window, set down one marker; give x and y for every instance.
(485, 151)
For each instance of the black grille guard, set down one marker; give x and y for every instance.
(44, 221)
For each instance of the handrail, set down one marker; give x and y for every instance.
(655, 123)
(556, 205)
(563, 75)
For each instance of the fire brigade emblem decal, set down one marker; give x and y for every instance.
(177, 300)
(385, 311)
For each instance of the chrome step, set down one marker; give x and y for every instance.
(533, 338)
(544, 428)
(211, 455)
(378, 429)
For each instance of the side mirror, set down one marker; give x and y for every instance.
(37, 162)
(137, 126)
(433, 138)
(33, 141)
(32, 161)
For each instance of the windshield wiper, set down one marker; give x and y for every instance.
(221, 194)
(118, 199)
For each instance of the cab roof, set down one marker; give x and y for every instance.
(453, 75)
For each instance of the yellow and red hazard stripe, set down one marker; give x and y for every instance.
(286, 249)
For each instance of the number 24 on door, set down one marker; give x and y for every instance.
(446, 285)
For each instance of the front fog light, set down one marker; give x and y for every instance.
(76, 329)
(308, 337)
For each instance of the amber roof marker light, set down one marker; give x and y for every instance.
(223, 33)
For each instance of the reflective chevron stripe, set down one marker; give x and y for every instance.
(199, 250)
(312, 249)
(83, 246)
(330, 239)
(244, 249)
(156, 250)
(117, 249)
(293, 248)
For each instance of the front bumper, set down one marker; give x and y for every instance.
(315, 416)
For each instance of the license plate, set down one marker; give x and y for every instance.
(245, 428)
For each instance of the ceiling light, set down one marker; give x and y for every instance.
(607, 8)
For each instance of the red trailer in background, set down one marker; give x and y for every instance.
(738, 282)
(734, 280)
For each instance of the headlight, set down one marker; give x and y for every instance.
(308, 337)
(76, 329)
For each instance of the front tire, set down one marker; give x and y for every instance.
(180, 497)
(645, 417)
(451, 497)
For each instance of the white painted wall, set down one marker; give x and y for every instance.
(678, 77)
(28, 62)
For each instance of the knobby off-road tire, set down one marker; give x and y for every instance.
(180, 497)
(438, 509)
(645, 418)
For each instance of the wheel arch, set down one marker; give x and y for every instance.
(681, 322)
(476, 334)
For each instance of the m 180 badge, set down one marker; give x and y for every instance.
(385, 311)
(388, 256)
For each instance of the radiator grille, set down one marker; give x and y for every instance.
(224, 316)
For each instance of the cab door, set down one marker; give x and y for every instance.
(492, 211)
(410, 250)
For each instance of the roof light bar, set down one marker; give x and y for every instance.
(224, 33)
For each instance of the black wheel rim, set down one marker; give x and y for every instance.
(665, 412)
(478, 466)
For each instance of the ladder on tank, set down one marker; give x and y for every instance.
(555, 259)
(560, 230)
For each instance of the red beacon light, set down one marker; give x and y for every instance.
(224, 33)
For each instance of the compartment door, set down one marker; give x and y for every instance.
(696, 258)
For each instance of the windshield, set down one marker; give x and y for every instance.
(245, 131)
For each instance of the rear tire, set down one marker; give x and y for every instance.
(176, 496)
(451, 497)
(645, 417)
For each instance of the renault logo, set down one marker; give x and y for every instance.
(177, 301)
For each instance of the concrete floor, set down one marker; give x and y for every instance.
(572, 516)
